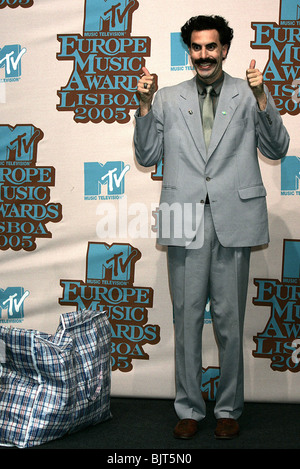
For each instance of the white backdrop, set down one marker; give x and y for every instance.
(76, 209)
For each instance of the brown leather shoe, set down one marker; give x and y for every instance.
(185, 429)
(227, 429)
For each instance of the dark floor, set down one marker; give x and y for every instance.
(147, 424)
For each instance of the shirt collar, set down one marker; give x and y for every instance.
(217, 85)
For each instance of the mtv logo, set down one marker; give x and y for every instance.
(113, 263)
(19, 143)
(179, 51)
(109, 15)
(211, 376)
(290, 173)
(10, 60)
(111, 174)
(290, 10)
(291, 261)
(12, 299)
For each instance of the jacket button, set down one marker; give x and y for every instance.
(208, 178)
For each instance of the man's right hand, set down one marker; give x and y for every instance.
(146, 89)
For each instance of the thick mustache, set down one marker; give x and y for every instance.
(205, 61)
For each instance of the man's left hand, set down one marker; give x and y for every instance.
(255, 80)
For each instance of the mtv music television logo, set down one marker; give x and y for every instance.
(289, 12)
(12, 301)
(19, 143)
(110, 175)
(179, 53)
(290, 175)
(10, 61)
(113, 263)
(109, 15)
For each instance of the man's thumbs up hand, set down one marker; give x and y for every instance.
(146, 89)
(255, 80)
(252, 64)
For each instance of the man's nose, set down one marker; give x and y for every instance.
(203, 53)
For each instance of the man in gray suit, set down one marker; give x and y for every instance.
(212, 207)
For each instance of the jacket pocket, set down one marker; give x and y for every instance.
(252, 192)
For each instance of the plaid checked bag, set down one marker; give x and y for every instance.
(54, 384)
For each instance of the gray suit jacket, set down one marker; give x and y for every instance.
(228, 172)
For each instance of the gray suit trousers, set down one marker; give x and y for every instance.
(222, 275)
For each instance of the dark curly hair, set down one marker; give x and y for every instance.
(201, 22)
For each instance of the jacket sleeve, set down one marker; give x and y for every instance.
(273, 138)
(148, 134)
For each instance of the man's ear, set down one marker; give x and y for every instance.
(224, 51)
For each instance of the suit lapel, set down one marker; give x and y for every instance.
(228, 102)
(189, 106)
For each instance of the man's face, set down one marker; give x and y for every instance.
(207, 54)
